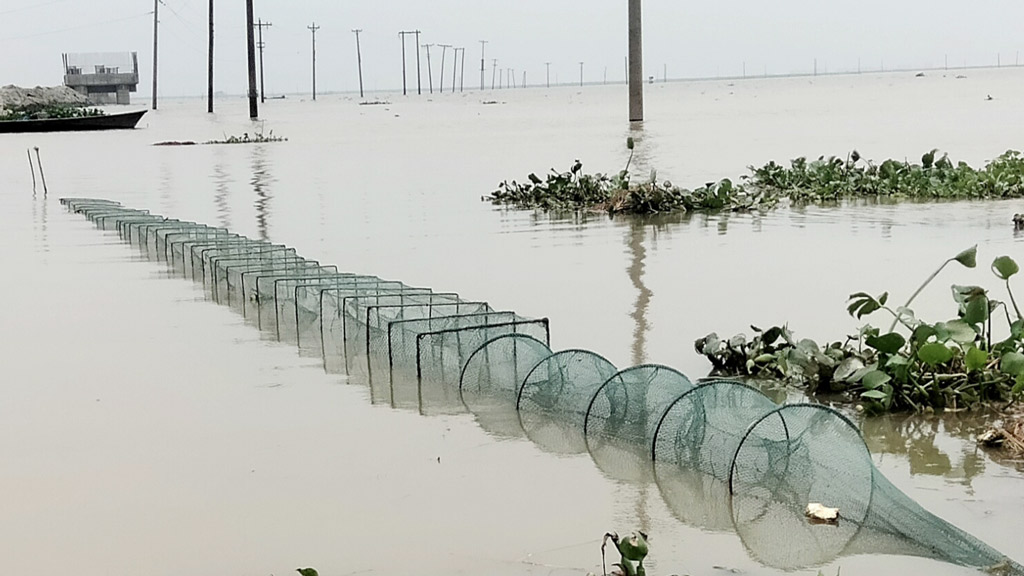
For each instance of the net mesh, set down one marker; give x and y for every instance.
(723, 455)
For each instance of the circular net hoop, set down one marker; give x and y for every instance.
(491, 378)
(791, 457)
(701, 430)
(623, 415)
(555, 395)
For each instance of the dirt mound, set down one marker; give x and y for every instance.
(20, 99)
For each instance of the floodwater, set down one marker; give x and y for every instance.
(144, 429)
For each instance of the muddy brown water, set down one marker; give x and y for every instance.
(144, 429)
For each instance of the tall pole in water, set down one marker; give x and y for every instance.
(359, 61)
(405, 91)
(455, 63)
(462, 72)
(156, 22)
(209, 67)
(251, 53)
(483, 46)
(261, 25)
(313, 29)
(636, 65)
(547, 73)
(440, 81)
(430, 69)
(419, 75)
(581, 73)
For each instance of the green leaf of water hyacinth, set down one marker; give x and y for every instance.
(934, 354)
(975, 359)
(889, 343)
(875, 378)
(874, 395)
(969, 257)
(1004, 267)
(1012, 363)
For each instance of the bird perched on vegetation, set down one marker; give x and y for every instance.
(632, 548)
(307, 571)
(577, 166)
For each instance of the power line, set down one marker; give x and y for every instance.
(79, 27)
(24, 8)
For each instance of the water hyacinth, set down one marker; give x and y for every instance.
(823, 180)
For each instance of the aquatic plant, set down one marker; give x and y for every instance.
(51, 112)
(257, 138)
(632, 549)
(823, 180)
(915, 365)
(577, 190)
(936, 177)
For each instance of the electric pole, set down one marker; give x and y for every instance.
(156, 21)
(313, 29)
(419, 76)
(483, 45)
(581, 73)
(402, 34)
(430, 69)
(636, 62)
(455, 63)
(440, 82)
(209, 67)
(494, 70)
(261, 25)
(251, 54)
(359, 60)
(547, 73)
(462, 72)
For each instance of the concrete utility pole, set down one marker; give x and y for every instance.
(359, 60)
(156, 22)
(402, 34)
(430, 70)
(251, 53)
(313, 29)
(483, 45)
(581, 73)
(209, 67)
(462, 72)
(494, 70)
(455, 64)
(636, 62)
(261, 25)
(547, 73)
(524, 79)
(440, 81)
(419, 75)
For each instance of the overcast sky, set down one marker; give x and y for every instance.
(694, 39)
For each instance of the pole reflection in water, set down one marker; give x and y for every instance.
(222, 189)
(261, 181)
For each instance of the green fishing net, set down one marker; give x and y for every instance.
(723, 455)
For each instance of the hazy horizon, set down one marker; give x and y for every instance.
(719, 39)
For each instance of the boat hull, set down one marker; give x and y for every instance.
(123, 121)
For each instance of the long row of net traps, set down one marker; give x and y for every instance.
(723, 455)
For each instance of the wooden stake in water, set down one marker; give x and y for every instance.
(33, 169)
(634, 63)
(313, 29)
(41, 175)
(359, 61)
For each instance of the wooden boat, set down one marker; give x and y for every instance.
(122, 121)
